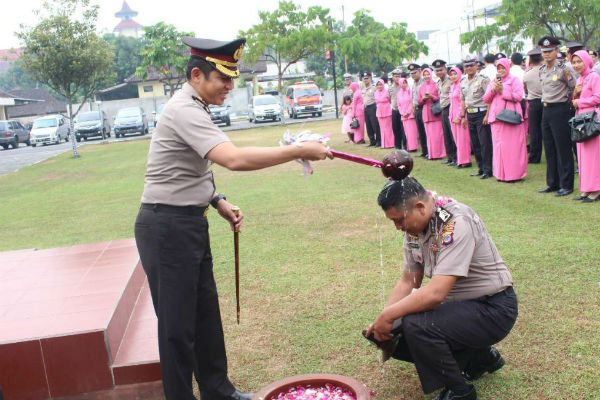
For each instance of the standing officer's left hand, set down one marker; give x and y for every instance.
(224, 209)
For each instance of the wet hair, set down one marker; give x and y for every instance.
(516, 58)
(489, 58)
(401, 194)
(201, 64)
(346, 98)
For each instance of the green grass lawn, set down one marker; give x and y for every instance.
(311, 276)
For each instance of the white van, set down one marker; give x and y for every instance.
(49, 129)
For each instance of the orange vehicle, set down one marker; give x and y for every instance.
(304, 98)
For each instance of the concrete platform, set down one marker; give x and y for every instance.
(75, 320)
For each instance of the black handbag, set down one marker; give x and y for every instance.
(509, 116)
(354, 124)
(584, 126)
(436, 108)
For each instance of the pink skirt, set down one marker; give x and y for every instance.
(359, 133)
(412, 133)
(588, 155)
(346, 123)
(435, 139)
(463, 143)
(509, 144)
(387, 133)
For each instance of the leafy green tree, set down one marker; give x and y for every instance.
(287, 35)
(17, 77)
(577, 20)
(371, 46)
(64, 52)
(127, 55)
(164, 53)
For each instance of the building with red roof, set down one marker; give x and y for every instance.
(127, 26)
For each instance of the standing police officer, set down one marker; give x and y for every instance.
(444, 85)
(171, 229)
(557, 85)
(473, 88)
(533, 89)
(371, 120)
(397, 127)
(415, 74)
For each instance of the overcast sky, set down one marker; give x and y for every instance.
(222, 20)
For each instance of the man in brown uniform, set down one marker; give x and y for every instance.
(371, 121)
(557, 85)
(533, 89)
(397, 127)
(444, 85)
(171, 229)
(448, 326)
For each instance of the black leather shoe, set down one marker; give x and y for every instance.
(424, 155)
(448, 394)
(547, 189)
(468, 165)
(590, 200)
(240, 396)
(476, 173)
(580, 197)
(563, 192)
(493, 363)
(371, 144)
(452, 164)
(484, 176)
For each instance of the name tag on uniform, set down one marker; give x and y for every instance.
(444, 215)
(554, 77)
(413, 245)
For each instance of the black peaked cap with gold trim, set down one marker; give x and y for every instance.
(223, 56)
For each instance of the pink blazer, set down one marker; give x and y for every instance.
(404, 99)
(589, 98)
(512, 94)
(384, 106)
(433, 91)
(357, 103)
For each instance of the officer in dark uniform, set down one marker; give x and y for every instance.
(557, 86)
(415, 73)
(444, 86)
(446, 327)
(171, 229)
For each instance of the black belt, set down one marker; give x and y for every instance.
(181, 210)
(555, 104)
(531, 100)
(418, 107)
(506, 292)
(371, 105)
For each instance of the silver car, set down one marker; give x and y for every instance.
(12, 133)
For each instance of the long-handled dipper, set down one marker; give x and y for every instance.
(236, 247)
(395, 165)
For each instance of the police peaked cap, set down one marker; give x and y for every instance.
(222, 56)
(548, 43)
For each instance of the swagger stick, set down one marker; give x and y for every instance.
(236, 247)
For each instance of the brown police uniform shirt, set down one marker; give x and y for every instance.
(346, 92)
(472, 91)
(557, 83)
(460, 247)
(177, 172)
(415, 91)
(532, 82)
(393, 91)
(444, 90)
(369, 95)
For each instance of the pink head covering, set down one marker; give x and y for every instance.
(382, 83)
(354, 86)
(401, 81)
(505, 62)
(430, 73)
(588, 63)
(458, 72)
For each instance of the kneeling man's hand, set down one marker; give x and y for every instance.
(381, 327)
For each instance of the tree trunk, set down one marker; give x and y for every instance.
(72, 130)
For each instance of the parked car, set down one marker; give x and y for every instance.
(90, 124)
(12, 133)
(49, 129)
(130, 120)
(264, 107)
(220, 114)
(304, 98)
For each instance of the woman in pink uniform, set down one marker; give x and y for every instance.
(358, 112)
(384, 115)
(404, 99)
(587, 98)
(460, 129)
(428, 94)
(509, 141)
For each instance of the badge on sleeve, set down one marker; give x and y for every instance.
(448, 233)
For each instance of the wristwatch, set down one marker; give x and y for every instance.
(215, 200)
